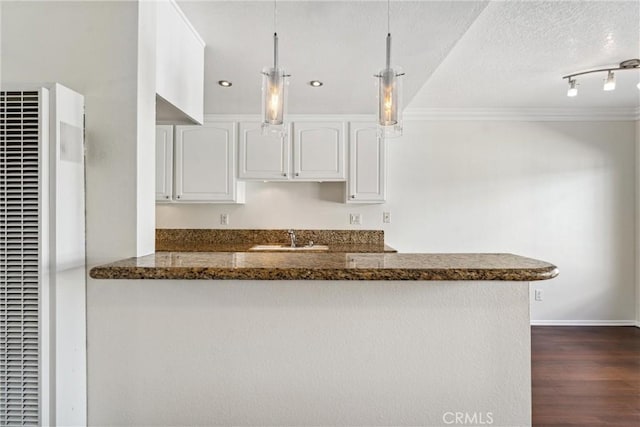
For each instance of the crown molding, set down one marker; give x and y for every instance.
(465, 114)
(290, 117)
(524, 114)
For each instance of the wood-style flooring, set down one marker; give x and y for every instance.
(586, 376)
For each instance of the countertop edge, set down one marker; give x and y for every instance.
(364, 274)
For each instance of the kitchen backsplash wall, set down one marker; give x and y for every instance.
(558, 191)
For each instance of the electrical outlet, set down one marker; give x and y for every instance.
(355, 219)
(386, 217)
(537, 294)
(224, 219)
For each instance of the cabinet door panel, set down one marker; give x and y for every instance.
(366, 164)
(318, 151)
(205, 159)
(264, 157)
(164, 163)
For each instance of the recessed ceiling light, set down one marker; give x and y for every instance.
(315, 83)
(225, 83)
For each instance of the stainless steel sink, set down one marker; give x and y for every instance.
(286, 248)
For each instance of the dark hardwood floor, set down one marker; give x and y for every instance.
(586, 376)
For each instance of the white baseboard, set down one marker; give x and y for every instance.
(585, 323)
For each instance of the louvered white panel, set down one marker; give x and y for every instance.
(19, 258)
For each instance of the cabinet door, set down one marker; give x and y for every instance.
(205, 163)
(164, 163)
(263, 157)
(367, 177)
(319, 151)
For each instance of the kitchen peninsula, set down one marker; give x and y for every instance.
(330, 338)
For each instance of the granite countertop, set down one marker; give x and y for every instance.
(216, 240)
(246, 247)
(327, 266)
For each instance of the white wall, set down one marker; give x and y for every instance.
(303, 353)
(560, 191)
(96, 49)
(74, 43)
(146, 131)
(638, 223)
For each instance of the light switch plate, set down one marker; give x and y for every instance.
(224, 219)
(386, 217)
(355, 219)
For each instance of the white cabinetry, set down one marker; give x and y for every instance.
(205, 159)
(179, 66)
(367, 164)
(164, 163)
(263, 157)
(204, 163)
(319, 151)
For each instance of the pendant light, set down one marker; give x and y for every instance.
(389, 93)
(274, 82)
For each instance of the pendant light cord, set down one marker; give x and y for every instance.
(388, 17)
(275, 14)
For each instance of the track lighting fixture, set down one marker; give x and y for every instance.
(610, 81)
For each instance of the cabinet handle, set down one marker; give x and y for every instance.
(353, 196)
(177, 197)
(284, 174)
(166, 197)
(297, 174)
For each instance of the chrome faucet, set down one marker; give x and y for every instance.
(292, 235)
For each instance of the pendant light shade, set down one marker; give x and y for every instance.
(389, 95)
(274, 93)
(273, 96)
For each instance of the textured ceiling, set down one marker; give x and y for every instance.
(340, 43)
(463, 54)
(515, 54)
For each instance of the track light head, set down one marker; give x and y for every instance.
(573, 90)
(610, 82)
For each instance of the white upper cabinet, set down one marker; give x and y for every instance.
(263, 157)
(205, 164)
(316, 154)
(164, 163)
(179, 67)
(367, 164)
(319, 151)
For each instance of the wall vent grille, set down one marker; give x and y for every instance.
(19, 258)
